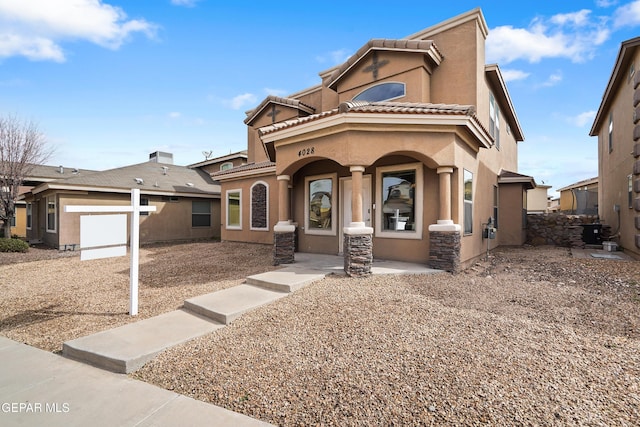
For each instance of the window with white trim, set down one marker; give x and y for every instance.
(468, 202)
(494, 120)
(51, 213)
(399, 200)
(226, 166)
(320, 217)
(259, 212)
(610, 132)
(234, 209)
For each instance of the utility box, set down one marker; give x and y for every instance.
(592, 234)
(610, 246)
(489, 233)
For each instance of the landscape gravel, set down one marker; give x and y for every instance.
(525, 336)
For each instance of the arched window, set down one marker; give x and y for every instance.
(381, 92)
(259, 206)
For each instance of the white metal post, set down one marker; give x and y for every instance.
(135, 230)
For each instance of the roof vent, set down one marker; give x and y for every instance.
(61, 169)
(164, 170)
(156, 184)
(75, 171)
(139, 180)
(189, 184)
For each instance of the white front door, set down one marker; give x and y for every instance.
(345, 200)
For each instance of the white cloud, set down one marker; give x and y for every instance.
(334, 57)
(583, 119)
(627, 15)
(174, 115)
(510, 75)
(276, 92)
(571, 35)
(186, 3)
(240, 101)
(36, 29)
(553, 80)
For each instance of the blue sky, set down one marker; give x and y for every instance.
(110, 81)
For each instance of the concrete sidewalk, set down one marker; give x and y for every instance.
(39, 388)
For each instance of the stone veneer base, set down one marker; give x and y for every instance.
(358, 254)
(284, 246)
(444, 250)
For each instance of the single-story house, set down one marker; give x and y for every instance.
(187, 202)
(580, 198)
(407, 151)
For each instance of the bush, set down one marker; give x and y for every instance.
(13, 245)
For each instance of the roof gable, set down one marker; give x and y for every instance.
(272, 102)
(425, 47)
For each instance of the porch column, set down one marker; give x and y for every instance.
(358, 239)
(444, 236)
(444, 174)
(284, 231)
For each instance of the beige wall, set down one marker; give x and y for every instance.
(245, 234)
(171, 221)
(615, 167)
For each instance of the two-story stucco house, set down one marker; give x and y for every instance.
(617, 126)
(407, 151)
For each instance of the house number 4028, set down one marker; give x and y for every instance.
(306, 151)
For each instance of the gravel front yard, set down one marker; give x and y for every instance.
(530, 336)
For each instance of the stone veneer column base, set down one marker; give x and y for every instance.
(444, 246)
(284, 244)
(358, 251)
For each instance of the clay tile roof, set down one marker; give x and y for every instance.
(244, 168)
(383, 44)
(377, 107)
(290, 102)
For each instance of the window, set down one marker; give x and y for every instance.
(399, 197)
(29, 215)
(630, 192)
(320, 215)
(494, 120)
(226, 166)
(144, 202)
(610, 132)
(468, 202)
(201, 213)
(259, 206)
(234, 209)
(381, 92)
(632, 71)
(13, 220)
(51, 213)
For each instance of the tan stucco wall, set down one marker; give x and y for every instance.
(20, 228)
(246, 234)
(614, 167)
(171, 221)
(511, 231)
(537, 199)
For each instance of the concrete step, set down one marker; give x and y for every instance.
(228, 304)
(127, 348)
(285, 280)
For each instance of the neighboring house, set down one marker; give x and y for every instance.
(222, 163)
(187, 203)
(37, 175)
(554, 204)
(617, 126)
(403, 152)
(538, 199)
(580, 198)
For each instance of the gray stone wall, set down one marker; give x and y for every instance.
(560, 229)
(284, 247)
(444, 251)
(259, 206)
(358, 254)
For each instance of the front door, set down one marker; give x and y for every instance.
(345, 200)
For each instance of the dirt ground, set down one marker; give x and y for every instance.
(527, 336)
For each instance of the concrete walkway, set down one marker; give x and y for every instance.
(42, 388)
